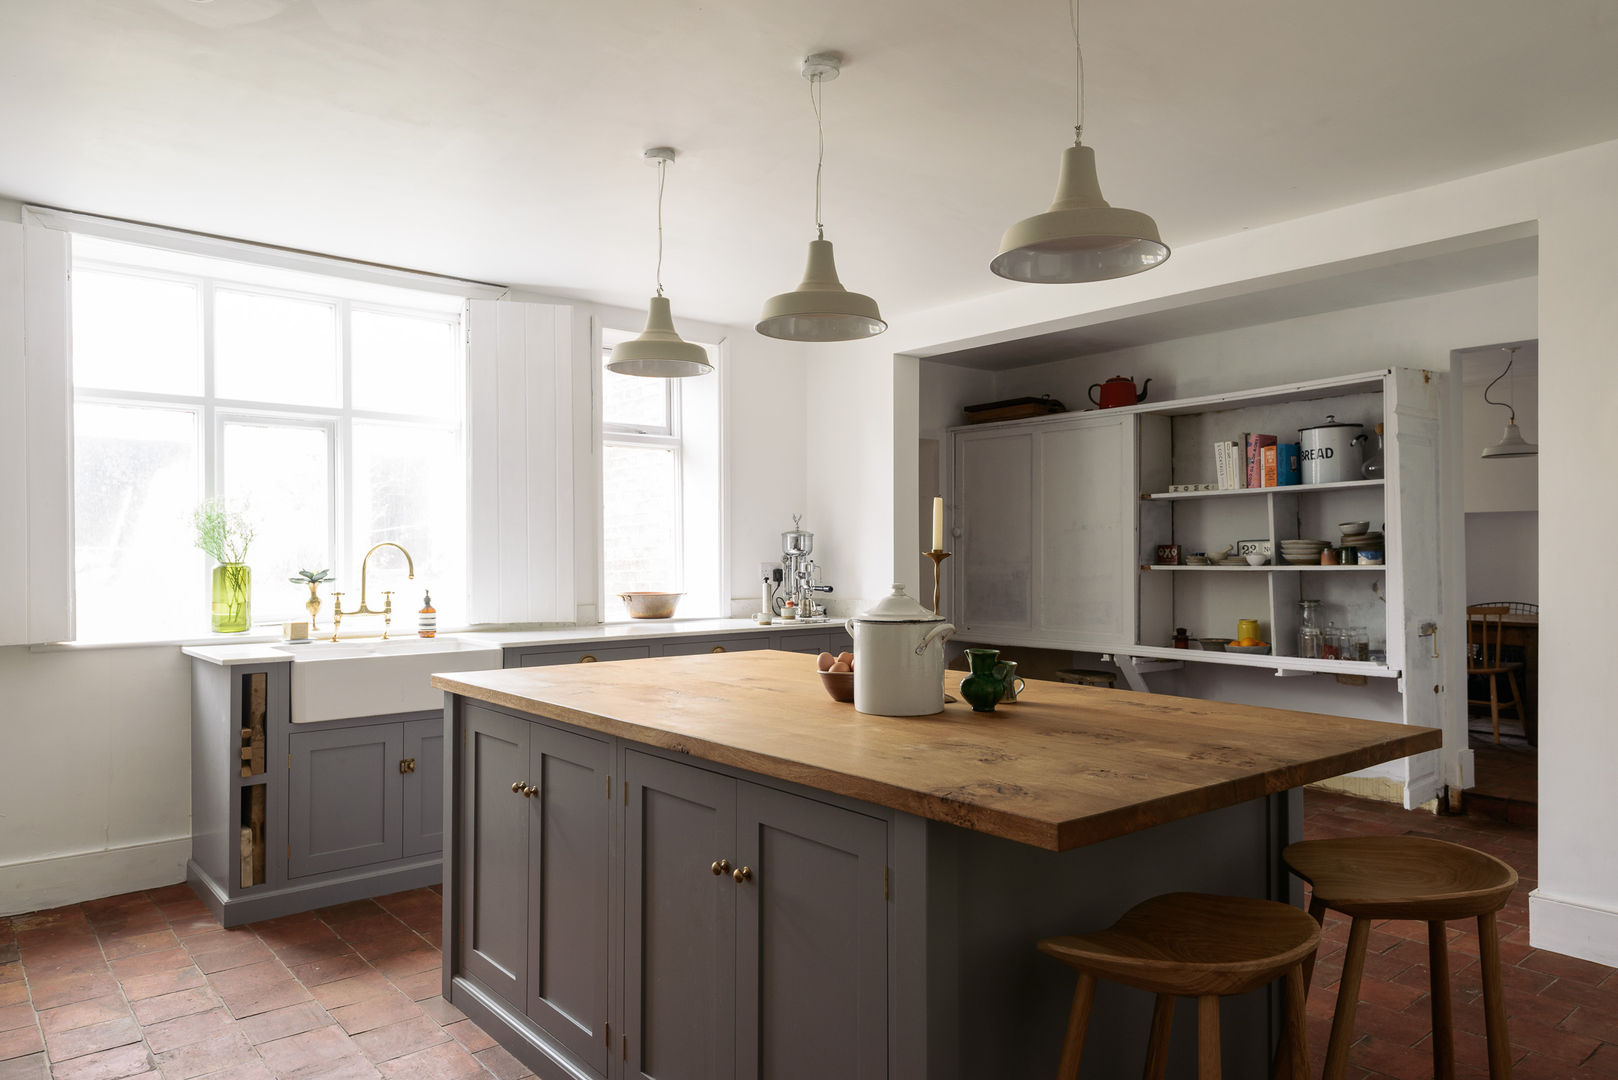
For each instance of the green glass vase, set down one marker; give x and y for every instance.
(232, 598)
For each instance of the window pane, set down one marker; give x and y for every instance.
(135, 333)
(136, 482)
(279, 476)
(273, 348)
(404, 364)
(640, 520)
(634, 401)
(408, 489)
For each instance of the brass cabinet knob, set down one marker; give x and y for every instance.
(717, 648)
(741, 874)
(721, 867)
(516, 788)
(587, 659)
(407, 765)
(530, 791)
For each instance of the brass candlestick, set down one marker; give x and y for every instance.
(938, 555)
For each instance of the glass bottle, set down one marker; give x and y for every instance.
(1310, 645)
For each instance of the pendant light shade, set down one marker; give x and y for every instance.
(659, 352)
(1511, 443)
(1080, 238)
(820, 309)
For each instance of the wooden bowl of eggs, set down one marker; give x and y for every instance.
(837, 675)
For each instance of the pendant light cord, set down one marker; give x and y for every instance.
(820, 157)
(1511, 355)
(662, 173)
(1078, 53)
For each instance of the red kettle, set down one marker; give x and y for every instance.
(1118, 390)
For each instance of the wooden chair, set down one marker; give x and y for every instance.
(1481, 619)
(1192, 945)
(1410, 877)
(1515, 607)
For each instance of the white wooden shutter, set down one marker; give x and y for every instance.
(36, 435)
(520, 455)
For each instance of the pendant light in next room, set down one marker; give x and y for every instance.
(1081, 237)
(820, 309)
(1511, 444)
(659, 353)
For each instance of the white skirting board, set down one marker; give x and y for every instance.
(39, 884)
(1573, 929)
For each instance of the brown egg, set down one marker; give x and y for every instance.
(846, 658)
(824, 661)
(840, 666)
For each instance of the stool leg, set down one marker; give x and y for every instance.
(1494, 999)
(1348, 1000)
(1297, 1036)
(1078, 1021)
(1208, 1037)
(1317, 912)
(1494, 706)
(1157, 1051)
(1438, 983)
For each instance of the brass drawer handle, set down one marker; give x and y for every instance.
(717, 648)
(522, 788)
(720, 867)
(516, 788)
(587, 659)
(741, 874)
(407, 765)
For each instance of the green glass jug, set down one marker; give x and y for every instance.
(984, 687)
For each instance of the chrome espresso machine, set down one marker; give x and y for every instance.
(800, 577)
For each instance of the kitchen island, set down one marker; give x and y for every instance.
(703, 867)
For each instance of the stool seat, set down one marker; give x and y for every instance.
(1191, 944)
(1402, 877)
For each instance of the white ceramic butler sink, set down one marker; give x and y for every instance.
(338, 680)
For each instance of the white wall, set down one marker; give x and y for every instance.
(1502, 556)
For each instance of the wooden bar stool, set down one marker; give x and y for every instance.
(1192, 945)
(1410, 877)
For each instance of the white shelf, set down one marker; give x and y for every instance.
(1290, 489)
(1281, 664)
(1285, 568)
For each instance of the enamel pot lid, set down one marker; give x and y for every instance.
(1331, 421)
(896, 607)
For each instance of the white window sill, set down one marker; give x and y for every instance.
(256, 636)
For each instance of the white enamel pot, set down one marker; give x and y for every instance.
(899, 657)
(1331, 451)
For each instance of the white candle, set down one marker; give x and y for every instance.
(938, 523)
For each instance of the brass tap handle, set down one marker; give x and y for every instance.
(336, 613)
(721, 867)
(741, 874)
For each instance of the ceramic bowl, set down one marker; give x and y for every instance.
(839, 685)
(1256, 559)
(1351, 528)
(1256, 650)
(1214, 644)
(650, 605)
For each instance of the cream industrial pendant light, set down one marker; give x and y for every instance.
(1511, 444)
(820, 309)
(1080, 238)
(659, 353)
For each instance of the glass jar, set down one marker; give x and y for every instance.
(1361, 649)
(1331, 644)
(1310, 644)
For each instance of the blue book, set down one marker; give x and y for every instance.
(1288, 465)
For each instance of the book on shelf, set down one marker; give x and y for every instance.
(1227, 471)
(1289, 467)
(1267, 464)
(1255, 443)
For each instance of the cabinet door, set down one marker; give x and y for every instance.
(493, 847)
(584, 654)
(422, 789)
(679, 922)
(994, 511)
(569, 873)
(812, 943)
(344, 804)
(1086, 536)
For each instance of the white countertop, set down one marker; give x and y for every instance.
(264, 653)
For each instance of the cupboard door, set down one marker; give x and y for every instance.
(679, 922)
(343, 808)
(812, 944)
(1086, 536)
(994, 510)
(493, 849)
(422, 788)
(569, 873)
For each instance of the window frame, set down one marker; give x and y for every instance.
(213, 413)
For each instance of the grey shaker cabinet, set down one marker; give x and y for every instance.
(350, 789)
(782, 974)
(535, 865)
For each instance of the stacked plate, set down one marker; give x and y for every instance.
(1303, 552)
(1365, 539)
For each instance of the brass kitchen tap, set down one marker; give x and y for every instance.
(337, 611)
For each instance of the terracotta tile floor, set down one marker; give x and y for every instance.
(147, 983)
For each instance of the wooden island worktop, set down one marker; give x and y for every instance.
(1062, 767)
(702, 866)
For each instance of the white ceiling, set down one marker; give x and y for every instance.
(500, 139)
